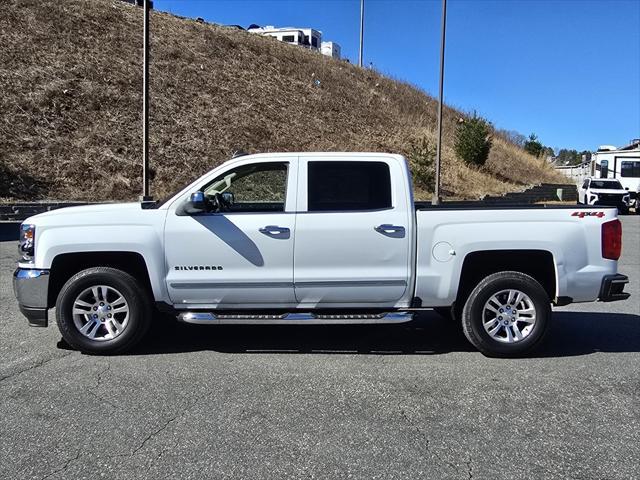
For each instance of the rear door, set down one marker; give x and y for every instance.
(352, 240)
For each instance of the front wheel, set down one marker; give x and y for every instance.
(506, 314)
(103, 310)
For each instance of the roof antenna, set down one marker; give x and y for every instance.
(238, 153)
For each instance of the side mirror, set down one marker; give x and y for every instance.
(197, 204)
(626, 188)
(197, 201)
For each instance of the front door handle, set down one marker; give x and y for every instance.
(390, 230)
(274, 230)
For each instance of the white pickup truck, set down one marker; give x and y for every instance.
(603, 191)
(308, 238)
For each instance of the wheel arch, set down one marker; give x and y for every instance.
(66, 265)
(537, 263)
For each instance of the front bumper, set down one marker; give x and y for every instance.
(31, 288)
(612, 288)
(611, 202)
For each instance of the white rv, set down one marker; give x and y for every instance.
(621, 163)
(330, 49)
(304, 37)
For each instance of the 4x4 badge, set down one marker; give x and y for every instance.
(587, 214)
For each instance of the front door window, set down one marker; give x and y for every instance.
(260, 187)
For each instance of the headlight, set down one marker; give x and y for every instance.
(27, 242)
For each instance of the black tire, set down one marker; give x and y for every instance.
(136, 296)
(473, 311)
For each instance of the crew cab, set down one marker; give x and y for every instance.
(601, 191)
(308, 238)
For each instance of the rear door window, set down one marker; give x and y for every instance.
(348, 186)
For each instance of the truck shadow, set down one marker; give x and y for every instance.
(234, 237)
(570, 334)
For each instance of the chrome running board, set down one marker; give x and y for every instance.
(308, 318)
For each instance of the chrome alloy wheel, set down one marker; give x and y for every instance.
(509, 316)
(100, 313)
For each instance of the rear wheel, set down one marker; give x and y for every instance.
(506, 314)
(103, 310)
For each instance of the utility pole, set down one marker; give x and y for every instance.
(146, 197)
(436, 193)
(361, 32)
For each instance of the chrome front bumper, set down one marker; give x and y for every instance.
(31, 288)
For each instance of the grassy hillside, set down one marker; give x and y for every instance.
(70, 76)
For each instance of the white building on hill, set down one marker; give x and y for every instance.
(303, 37)
(330, 49)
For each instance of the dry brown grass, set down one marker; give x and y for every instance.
(70, 74)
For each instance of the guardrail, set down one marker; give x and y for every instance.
(16, 212)
(546, 192)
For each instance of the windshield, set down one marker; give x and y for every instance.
(609, 184)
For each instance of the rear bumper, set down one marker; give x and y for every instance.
(31, 288)
(612, 288)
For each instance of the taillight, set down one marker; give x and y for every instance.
(612, 239)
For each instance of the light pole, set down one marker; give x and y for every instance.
(436, 193)
(146, 197)
(361, 32)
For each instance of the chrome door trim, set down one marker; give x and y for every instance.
(201, 285)
(351, 283)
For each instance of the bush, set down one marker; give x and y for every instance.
(533, 146)
(473, 140)
(422, 155)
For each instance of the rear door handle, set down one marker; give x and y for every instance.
(271, 230)
(390, 230)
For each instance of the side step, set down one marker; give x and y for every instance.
(308, 318)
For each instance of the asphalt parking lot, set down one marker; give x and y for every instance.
(411, 401)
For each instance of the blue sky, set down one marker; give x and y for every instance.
(567, 70)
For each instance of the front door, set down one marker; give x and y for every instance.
(353, 242)
(242, 255)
